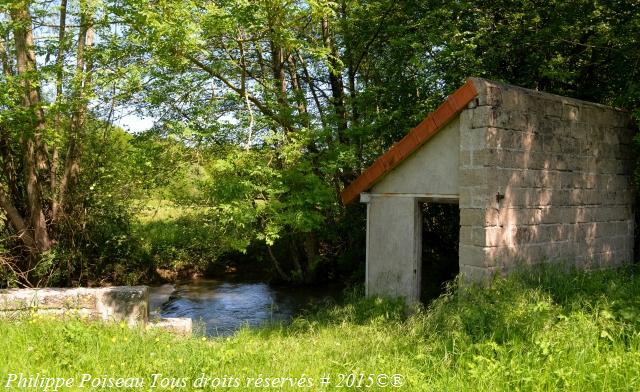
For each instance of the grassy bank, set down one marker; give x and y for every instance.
(542, 331)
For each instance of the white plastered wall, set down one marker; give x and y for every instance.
(393, 213)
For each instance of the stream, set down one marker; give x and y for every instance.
(219, 308)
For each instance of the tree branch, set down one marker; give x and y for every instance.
(264, 109)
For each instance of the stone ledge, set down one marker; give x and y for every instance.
(119, 303)
(177, 325)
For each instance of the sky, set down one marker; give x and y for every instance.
(134, 123)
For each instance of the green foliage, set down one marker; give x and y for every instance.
(275, 193)
(178, 237)
(96, 245)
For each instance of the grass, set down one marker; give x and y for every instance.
(542, 330)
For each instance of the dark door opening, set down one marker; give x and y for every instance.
(440, 239)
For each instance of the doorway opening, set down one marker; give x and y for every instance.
(439, 251)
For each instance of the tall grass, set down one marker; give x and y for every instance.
(540, 330)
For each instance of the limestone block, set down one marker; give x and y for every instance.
(503, 117)
(483, 117)
(541, 178)
(584, 214)
(479, 217)
(54, 298)
(177, 325)
(608, 166)
(17, 300)
(612, 213)
(552, 109)
(513, 99)
(533, 253)
(536, 160)
(570, 112)
(497, 236)
(475, 197)
(472, 216)
(502, 158)
(466, 159)
(513, 139)
(471, 274)
(624, 166)
(466, 235)
(111, 303)
(569, 146)
(521, 216)
(123, 303)
(473, 139)
(554, 232)
(592, 114)
(474, 158)
(580, 180)
(563, 250)
(501, 178)
(65, 299)
(473, 176)
(480, 235)
(490, 95)
(558, 162)
(474, 255)
(611, 136)
(479, 157)
(528, 197)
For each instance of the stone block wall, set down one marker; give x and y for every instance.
(123, 303)
(543, 178)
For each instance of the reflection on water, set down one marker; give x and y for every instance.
(224, 307)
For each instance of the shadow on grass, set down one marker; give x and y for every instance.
(614, 293)
(353, 310)
(513, 309)
(533, 299)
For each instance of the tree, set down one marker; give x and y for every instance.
(44, 120)
(257, 63)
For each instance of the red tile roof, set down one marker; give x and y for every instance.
(401, 150)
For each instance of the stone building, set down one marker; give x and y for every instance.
(537, 178)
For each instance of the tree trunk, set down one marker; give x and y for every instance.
(280, 84)
(82, 86)
(4, 60)
(276, 265)
(335, 81)
(55, 155)
(26, 67)
(311, 249)
(297, 89)
(17, 222)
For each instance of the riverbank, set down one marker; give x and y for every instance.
(544, 331)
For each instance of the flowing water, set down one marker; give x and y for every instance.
(222, 307)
